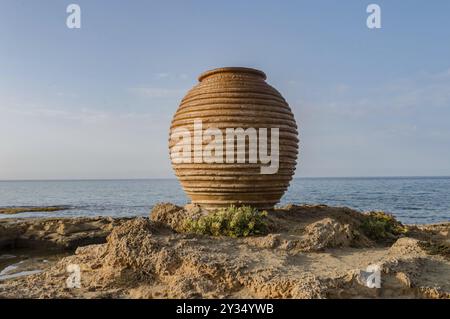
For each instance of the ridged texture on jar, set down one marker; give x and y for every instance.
(236, 98)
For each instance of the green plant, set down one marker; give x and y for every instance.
(231, 221)
(381, 226)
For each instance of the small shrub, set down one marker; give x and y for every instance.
(231, 221)
(381, 226)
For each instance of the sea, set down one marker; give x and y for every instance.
(413, 200)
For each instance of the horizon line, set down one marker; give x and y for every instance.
(174, 178)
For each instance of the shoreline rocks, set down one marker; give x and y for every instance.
(58, 233)
(312, 251)
(27, 209)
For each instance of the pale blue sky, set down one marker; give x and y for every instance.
(97, 102)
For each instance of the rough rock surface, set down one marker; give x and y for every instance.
(25, 209)
(174, 216)
(311, 252)
(63, 233)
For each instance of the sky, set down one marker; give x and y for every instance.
(97, 102)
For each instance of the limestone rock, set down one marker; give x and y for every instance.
(63, 233)
(312, 255)
(174, 216)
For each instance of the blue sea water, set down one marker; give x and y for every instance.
(411, 199)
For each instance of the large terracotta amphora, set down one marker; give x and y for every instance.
(234, 140)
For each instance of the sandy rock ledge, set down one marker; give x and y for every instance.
(311, 251)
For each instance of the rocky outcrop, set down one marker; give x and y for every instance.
(62, 233)
(174, 216)
(26, 209)
(311, 252)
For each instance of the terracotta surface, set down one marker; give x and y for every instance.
(236, 98)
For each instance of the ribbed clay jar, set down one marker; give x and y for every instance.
(235, 97)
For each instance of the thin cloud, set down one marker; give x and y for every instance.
(401, 96)
(171, 76)
(162, 75)
(156, 92)
(84, 115)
